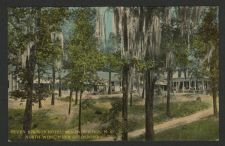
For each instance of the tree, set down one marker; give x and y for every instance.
(152, 49)
(121, 16)
(171, 42)
(111, 120)
(206, 42)
(71, 94)
(169, 67)
(29, 25)
(196, 68)
(55, 59)
(187, 22)
(140, 38)
(179, 26)
(57, 17)
(134, 36)
(83, 57)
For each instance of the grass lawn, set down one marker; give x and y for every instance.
(136, 113)
(93, 110)
(40, 120)
(205, 129)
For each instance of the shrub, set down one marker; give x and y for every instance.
(18, 94)
(111, 122)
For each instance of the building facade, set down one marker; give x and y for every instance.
(187, 83)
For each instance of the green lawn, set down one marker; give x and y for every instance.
(90, 113)
(205, 129)
(178, 109)
(40, 120)
(93, 111)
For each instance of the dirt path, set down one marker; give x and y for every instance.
(169, 124)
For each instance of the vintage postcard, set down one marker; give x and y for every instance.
(113, 73)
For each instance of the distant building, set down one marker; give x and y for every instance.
(12, 79)
(180, 83)
(12, 83)
(115, 81)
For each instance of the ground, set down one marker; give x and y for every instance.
(204, 129)
(184, 108)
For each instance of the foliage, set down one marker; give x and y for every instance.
(18, 94)
(207, 43)
(24, 28)
(83, 57)
(112, 122)
(21, 94)
(91, 113)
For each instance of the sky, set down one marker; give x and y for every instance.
(108, 20)
(68, 30)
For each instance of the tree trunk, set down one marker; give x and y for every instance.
(76, 100)
(197, 84)
(12, 83)
(158, 87)
(131, 99)
(28, 109)
(79, 124)
(53, 85)
(214, 92)
(60, 87)
(131, 89)
(138, 84)
(169, 73)
(143, 92)
(110, 88)
(71, 95)
(149, 131)
(125, 86)
(29, 75)
(39, 88)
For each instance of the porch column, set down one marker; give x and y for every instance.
(17, 86)
(203, 85)
(176, 86)
(189, 85)
(179, 85)
(183, 87)
(195, 84)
